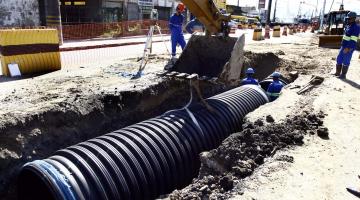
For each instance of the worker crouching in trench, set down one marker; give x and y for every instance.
(273, 90)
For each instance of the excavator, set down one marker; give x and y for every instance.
(215, 54)
(334, 29)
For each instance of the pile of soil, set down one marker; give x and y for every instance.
(242, 152)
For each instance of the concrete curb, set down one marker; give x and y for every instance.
(103, 46)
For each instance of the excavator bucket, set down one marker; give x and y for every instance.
(330, 41)
(213, 56)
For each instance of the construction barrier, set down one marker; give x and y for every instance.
(34, 50)
(284, 31)
(112, 30)
(267, 32)
(313, 29)
(257, 34)
(304, 29)
(291, 30)
(276, 32)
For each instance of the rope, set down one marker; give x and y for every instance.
(186, 108)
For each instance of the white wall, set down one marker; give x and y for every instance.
(19, 13)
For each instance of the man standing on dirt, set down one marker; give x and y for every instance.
(275, 87)
(175, 24)
(348, 45)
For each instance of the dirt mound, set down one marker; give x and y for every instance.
(242, 152)
(264, 64)
(205, 56)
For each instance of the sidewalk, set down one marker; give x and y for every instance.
(103, 43)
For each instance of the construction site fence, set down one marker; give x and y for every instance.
(104, 30)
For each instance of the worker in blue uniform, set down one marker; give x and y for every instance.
(194, 26)
(249, 80)
(275, 87)
(348, 45)
(175, 24)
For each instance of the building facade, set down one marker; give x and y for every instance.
(51, 12)
(165, 8)
(19, 13)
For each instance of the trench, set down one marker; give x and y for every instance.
(144, 160)
(60, 130)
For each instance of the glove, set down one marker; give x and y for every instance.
(346, 50)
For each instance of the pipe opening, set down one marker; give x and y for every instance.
(33, 185)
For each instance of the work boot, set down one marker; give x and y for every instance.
(344, 72)
(338, 70)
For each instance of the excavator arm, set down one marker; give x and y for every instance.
(209, 15)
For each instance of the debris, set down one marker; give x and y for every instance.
(294, 75)
(285, 158)
(323, 133)
(269, 119)
(226, 183)
(280, 53)
(203, 188)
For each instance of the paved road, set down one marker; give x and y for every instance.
(110, 55)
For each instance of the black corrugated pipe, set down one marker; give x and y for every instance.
(141, 161)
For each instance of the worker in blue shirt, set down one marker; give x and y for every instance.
(275, 87)
(194, 25)
(175, 24)
(249, 80)
(348, 45)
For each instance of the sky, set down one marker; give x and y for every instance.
(288, 9)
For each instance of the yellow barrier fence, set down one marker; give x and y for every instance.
(34, 50)
(257, 34)
(276, 32)
(291, 31)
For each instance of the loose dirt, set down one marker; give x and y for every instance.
(314, 150)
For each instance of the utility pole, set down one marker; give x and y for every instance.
(268, 13)
(322, 16)
(275, 10)
(342, 5)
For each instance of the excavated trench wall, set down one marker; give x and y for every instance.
(40, 135)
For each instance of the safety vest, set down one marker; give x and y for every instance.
(349, 38)
(273, 94)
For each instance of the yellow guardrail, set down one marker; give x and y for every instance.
(257, 34)
(34, 50)
(276, 31)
